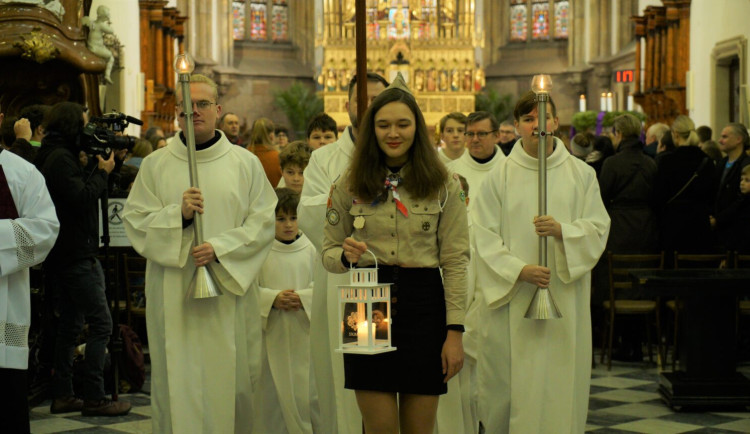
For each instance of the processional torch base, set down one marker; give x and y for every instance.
(203, 284)
(543, 306)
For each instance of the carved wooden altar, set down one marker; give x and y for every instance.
(430, 42)
(45, 59)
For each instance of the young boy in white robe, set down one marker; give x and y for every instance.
(534, 375)
(286, 395)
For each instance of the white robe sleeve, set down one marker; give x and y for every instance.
(29, 238)
(241, 251)
(266, 297)
(312, 205)
(584, 239)
(153, 228)
(306, 294)
(497, 269)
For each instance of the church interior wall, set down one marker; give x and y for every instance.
(713, 22)
(249, 71)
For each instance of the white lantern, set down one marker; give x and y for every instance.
(365, 313)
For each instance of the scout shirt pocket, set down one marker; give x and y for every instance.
(424, 217)
(363, 221)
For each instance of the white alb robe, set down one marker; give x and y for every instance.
(338, 406)
(24, 241)
(286, 398)
(534, 375)
(474, 172)
(205, 353)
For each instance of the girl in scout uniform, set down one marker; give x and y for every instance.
(398, 201)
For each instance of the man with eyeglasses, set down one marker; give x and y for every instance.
(507, 137)
(481, 138)
(205, 353)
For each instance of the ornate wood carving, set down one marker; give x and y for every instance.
(660, 89)
(160, 27)
(33, 42)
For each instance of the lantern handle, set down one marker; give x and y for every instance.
(351, 266)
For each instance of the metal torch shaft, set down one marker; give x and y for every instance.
(187, 108)
(542, 157)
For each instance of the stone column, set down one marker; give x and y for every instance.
(603, 28)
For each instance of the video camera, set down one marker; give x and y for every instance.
(99, 136)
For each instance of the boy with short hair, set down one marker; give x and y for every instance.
(286, 394)
(321, 131)
(293, 160)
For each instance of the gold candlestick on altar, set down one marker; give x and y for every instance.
(542, 306)
(202, 285)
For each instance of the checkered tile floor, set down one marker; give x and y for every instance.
(626, 400)
(623, 400)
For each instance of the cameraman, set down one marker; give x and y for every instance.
(72, 271)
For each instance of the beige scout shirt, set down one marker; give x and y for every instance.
(427, 238)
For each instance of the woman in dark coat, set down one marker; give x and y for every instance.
(626, 182)
(684, 193)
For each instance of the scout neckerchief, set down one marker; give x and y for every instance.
(391, 183)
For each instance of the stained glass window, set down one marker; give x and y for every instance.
(258, 21)
(280, 21)
(540, 20)
(238, 20)
(518, 22)
(562, 18)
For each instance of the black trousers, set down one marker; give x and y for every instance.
(14, 404)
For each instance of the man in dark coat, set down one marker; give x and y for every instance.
(733, 142)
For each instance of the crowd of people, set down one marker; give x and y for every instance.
(283, 221)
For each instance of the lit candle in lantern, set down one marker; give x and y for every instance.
(610, 102)
(603, 102)
(630, 102)
(582, 104)
(362, 334)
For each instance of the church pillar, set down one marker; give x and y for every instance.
(592, 22)
(577, 41)
(604, 27)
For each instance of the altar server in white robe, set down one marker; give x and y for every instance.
(286, 398)
(338, 406)
(205, 353)
(483, 154)
(28, 230)
(534, 375)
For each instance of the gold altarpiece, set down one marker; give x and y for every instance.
(431, 42)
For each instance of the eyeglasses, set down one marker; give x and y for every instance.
(200, 105)
(479, 134)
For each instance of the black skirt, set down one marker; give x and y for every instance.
(418, 332)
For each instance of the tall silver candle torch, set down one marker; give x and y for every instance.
(202, 285)
(542, 305)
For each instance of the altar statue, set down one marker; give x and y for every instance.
(95, 43)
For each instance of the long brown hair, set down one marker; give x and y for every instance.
(423, 175)
(261, 132)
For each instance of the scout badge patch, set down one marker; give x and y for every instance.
(332, 216)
